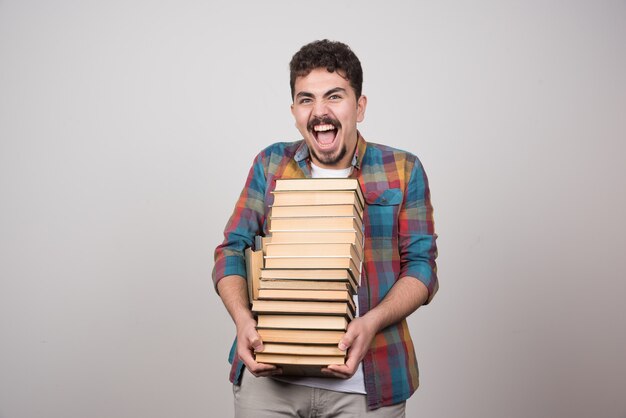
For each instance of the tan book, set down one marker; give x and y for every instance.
(299, 360)
(324, 223)
(308, 295)
(337, 249)
(339, 275)
(306, 211)
(304, 285)
(314, 263)
(320, 184)
(303, 349)
(254, 264)
(306, 198)
(303, 322)
(297, 336)
(312, 237)
(298, 294)
(302, 307)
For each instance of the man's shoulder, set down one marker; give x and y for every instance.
(384, 152)
(282, 149)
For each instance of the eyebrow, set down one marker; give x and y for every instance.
(328, 93)
(335, 90)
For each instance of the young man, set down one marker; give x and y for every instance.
(399, 271)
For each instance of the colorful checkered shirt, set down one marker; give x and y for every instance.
(399, 241)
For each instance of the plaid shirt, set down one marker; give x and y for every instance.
(399, 241)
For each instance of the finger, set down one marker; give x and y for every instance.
(352, 362)
(333, 372)
(249, 360)
(267, 373)
(256, 367)
(246, 356)
(349, 368)
(266, 370)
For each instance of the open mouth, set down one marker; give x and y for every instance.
(324, 131)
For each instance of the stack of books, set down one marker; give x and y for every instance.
(309, 273)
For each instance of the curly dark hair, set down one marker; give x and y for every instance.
(327, 54)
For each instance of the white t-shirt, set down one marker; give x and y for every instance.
(355, 384)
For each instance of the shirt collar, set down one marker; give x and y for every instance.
(302, 152)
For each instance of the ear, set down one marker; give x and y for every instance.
(361, 104)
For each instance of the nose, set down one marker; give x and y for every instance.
(319, 109)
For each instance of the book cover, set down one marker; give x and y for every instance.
(303, 349)
(320, 184)
(302, 307)
(315, 274)
(299, 360)
(254, 264)
(297, 336)
(286, 321)
(315, 263)
(304, 285)
(305, 198)
(308, 295)
(315, 210)
(321, 223)
(338, 249)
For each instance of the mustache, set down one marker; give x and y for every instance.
(324, 120)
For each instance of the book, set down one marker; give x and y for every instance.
(302, 322)
(254, 264)
(316, 237)
(303, 370)
(308, 295)
(302, 349)
(299, 360)
(322, 223)
(304, 285)
(306, 198)
(338, 249)
(315, 211)
(299, 294)
(307, 274)
(303, 237)
(298, 274)
(303, 184)
(302, 307)
(298, 336)
(315, 263)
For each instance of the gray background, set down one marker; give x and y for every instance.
(126, 132)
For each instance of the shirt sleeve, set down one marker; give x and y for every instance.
(417, 237)
(244, 224)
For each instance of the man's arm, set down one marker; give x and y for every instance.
(404, 297)
(234, 293)
(230, 268)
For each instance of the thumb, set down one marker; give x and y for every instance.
(256, 343)
(346, 341)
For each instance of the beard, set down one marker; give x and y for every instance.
(329, 158)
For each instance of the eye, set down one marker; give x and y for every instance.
(335, 97)
(304, 100)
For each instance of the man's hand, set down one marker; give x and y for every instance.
(249, 342)
(405, 296)
(356, 340)
(234, 293)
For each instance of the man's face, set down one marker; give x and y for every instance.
(326, 111)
